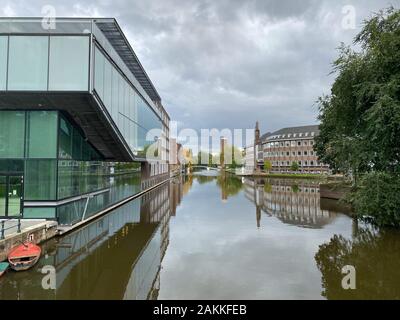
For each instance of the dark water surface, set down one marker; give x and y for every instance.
(217, 237)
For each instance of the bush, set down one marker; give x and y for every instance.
(377, 197)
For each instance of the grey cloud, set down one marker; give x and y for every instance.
(226, 64)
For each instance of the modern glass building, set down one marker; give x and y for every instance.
(82, 127)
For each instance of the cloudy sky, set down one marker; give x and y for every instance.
(225, 64)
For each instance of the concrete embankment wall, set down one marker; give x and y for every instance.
(336, 191)
(331, 196)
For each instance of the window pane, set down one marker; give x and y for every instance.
(40, 213)
(107, 85)
(11, 165)
(12, 134)
(71, 213)
(115, 95)
(64, 179)
(42, 134)
(3, 195)
(76, 145)
(28, 63)
(65, 148)
(69, 63)
(40, 179)
(3, 62)
(99, 74)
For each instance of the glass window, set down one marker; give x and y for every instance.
(3, 195)
(115, 95)
(42, 134)
(65, 142)
(65, 179)
(107, 85)
(40, 179)
(12, 134)
(40, 213)
(3, 62)
(71, 213)
(28, 63)
(99, 74)
(7, 165)
(69, 63)
(76, 145)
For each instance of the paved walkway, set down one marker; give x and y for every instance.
(11, 226)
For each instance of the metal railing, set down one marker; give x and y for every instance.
(3, 228)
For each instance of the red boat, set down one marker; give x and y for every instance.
(24, 256)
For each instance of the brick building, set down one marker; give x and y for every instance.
(295, 144)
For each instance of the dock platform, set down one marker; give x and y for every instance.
(36, 231)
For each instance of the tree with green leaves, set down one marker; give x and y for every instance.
(295, 166)
(267, 165)
(360, 119)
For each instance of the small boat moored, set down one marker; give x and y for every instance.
(24, 256)
(3, 267)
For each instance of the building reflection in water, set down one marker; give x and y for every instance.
(295, 202)
(117, 256)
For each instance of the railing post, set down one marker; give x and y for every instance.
(2, 230)
(19, 226)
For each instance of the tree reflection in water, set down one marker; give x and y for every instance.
(229, 185)
(375, 254)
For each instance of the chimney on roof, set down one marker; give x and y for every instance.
(257, 135)
(257, 143)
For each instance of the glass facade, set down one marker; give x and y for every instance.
(122, 184)
(28, 149)
(44, 155)
(129, 111)
(44, 63)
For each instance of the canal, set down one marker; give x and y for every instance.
(210, 236)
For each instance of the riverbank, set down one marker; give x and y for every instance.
(280, 175)
(336, 190)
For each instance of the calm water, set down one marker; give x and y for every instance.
(215, 237)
